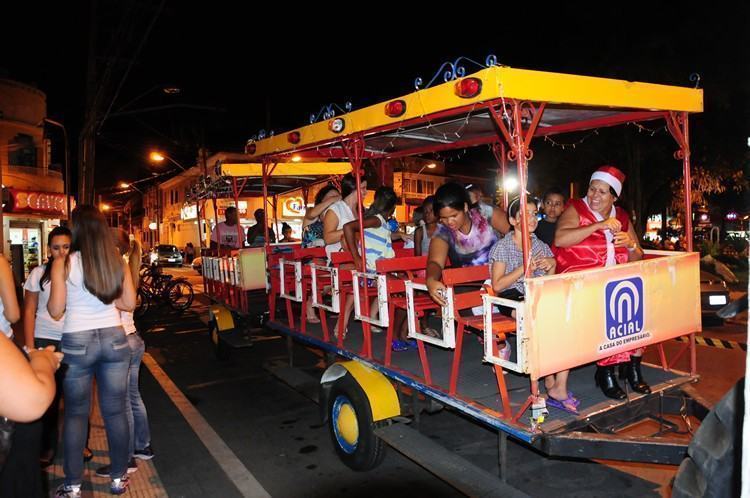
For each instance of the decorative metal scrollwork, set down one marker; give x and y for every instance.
(512, 155)
(679, 154)
(453, 70)
(696, 78)
(329, 111)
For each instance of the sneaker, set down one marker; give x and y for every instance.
(105, 471)
(64, 491)
(119, 486)
(411, 343)
(145, 454)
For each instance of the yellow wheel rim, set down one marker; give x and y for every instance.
(346, 424)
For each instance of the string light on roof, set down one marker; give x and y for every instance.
(651, 131)
(571, 144)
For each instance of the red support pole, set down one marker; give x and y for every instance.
(519, 146)
(355, 150)
(236, 195)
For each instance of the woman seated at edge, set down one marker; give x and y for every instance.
(593, 233)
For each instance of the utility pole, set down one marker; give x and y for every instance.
(86, 148)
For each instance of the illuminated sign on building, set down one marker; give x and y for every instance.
(33, 202)
(293, 207)
(189, 212)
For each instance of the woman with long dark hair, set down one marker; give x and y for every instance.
(465, 234)
(90, 287)
(336, 216)
(40, 330)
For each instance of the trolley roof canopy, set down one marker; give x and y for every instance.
(458, 114)
(282, 177)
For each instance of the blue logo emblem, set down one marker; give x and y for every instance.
(624, 307)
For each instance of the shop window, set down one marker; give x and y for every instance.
(22, 151)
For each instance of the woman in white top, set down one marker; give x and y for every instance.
(139, 440)
(26, 390)
(90, 289)
(339, 214)
(40, 330)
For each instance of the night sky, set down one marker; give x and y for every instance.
(256, 67)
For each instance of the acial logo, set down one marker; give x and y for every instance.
(624, 308)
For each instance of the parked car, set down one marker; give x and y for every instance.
(714, 293)
(167, 255)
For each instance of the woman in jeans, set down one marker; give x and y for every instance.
(139, 440)
(90, 287)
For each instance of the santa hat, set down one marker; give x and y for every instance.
(611, 176)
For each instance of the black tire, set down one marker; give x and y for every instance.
(180, 295)
(714, 461)
(221, 351)
(363, 450)
(142, 304)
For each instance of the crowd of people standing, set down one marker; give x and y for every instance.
(78, 326)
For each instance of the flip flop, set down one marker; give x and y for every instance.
(561, 404)
(575, 401)
(313, 319)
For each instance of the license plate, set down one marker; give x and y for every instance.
(717, 300)
(171, 260)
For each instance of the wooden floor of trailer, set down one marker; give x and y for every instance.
(477, 381)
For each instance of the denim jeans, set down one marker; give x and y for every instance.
(140, 434)
(104, 354)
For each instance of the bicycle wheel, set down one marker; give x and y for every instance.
(180, 295)
(142, 304)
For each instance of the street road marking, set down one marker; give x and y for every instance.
(716, 343)
(224, 456)
(223, 381)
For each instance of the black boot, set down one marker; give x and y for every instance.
(632, 372)
(605, 379)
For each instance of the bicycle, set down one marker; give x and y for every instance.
(156, 287)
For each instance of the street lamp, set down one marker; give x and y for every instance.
(428, 166)
(159, 157)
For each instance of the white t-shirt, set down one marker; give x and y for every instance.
(345, 215)
(5, 328)
(45, 327)
(226, 235)
(127, 322)
(83, 310)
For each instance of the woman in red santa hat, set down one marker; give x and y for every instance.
(592, 233)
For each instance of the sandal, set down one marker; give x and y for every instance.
(567, 405)
(397, 345)
(429, 331)
(313, 319)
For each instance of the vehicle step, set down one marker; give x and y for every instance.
(297, 379)
(447, 465)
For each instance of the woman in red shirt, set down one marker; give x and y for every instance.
(593, 233)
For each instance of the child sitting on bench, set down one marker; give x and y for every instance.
(506, 259)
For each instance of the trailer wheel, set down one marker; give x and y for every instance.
(351, 426)
(221, 351)
(714, 460)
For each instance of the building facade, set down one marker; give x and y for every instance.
(33, 189)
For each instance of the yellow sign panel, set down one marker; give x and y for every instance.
(577, 318)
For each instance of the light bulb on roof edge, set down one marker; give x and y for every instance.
(510, 184)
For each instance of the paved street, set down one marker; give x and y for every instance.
(270, 440)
